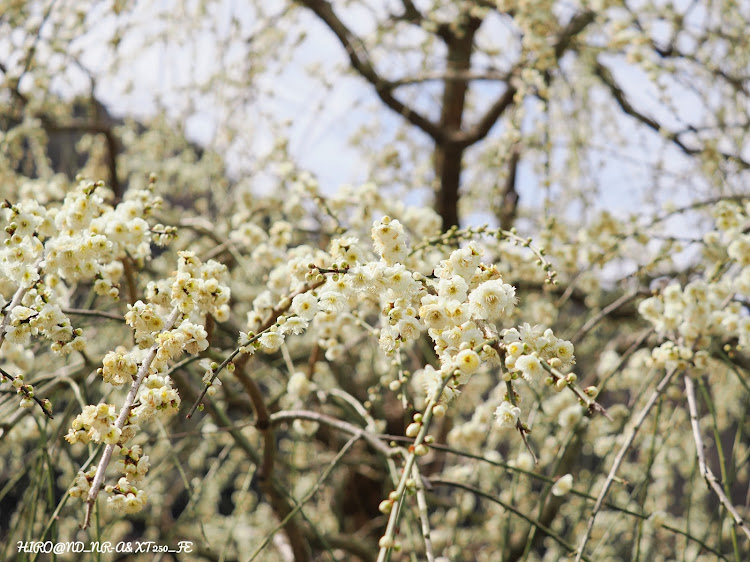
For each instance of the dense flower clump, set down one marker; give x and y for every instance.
(399, 295)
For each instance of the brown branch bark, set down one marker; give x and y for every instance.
(360, 61)
(605, 75)
(450, 139)
(448, 155)
(270, 486)
(508, 205)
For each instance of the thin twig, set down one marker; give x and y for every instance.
(28, 393)
(423, 515)
(624, 299)
(549, 532)
(620, 457)
(307, 496)
(371, 438)
(707, 473)
(15, 301)
(399, 493)
(94, 313)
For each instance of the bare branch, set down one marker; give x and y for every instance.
(707, 473)
(630, 437)
(489, 75)
(575, 26)
(508, 205)
(351, 429)
(483, 126)
(360, 61)
(605, 75)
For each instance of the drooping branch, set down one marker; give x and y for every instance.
(629, 438)
(705, 470)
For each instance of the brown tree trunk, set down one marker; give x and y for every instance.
(448, 154)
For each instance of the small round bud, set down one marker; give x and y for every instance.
(421, 450)
(386, 542)
(412, 430)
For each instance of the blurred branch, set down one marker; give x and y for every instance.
(509, 197)
(360, 61)
(371, 438)
(607, 78)
(630, 437)
(543, 528)
(705, 470)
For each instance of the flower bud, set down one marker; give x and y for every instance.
(421, 450)
(439, 410)
(412, 430)
(386, 542)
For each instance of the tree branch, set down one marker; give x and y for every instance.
(629, 438)
(360, 61)
(605, 75)
(509, 197)
(705, 471)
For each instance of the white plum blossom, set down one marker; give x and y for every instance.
(563, 485)
(529, 366)
(305, 305)
(389, 239)
(507, 415)
(492, 299)
(467, 361)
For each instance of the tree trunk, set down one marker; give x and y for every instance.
(448, 154)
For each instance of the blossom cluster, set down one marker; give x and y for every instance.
(95, 423)
(46, 250)
(457, 305)
(196, 289)
(690, 316)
